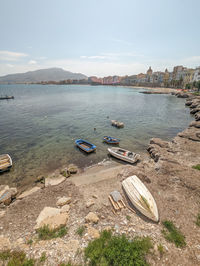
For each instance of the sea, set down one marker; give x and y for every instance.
(39, 127)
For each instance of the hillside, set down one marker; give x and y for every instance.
(50, 74)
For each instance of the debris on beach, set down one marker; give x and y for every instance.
(116, 201)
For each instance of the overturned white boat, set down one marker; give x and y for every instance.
(140, 197)
(124, 155)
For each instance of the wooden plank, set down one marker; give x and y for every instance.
(115, 206)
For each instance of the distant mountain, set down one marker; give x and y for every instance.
(50, 74)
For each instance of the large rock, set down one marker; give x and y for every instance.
(93, 233)
(182, 95)
(54, 180)
(51, 217)
(4, 243)
(28, 192)
(92, 218)
(195, 110)
(195, 124)
(64, 200)
(72, 169)
(197, 116)
(65, 208)
(7, 194)
(159, 142)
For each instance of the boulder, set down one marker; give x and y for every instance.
(93, 233)
(51, 217)
(63, 201)
(7, 194)
(54, 180)
(194, 104)
(197, 116)
(40, 179)
(4, 243)
(195, 124)
(65, 172)
(28, 192)
(159, 142)
(182, 95)
(92, 218)
(65, 208)
(72, 169)
(195, 110)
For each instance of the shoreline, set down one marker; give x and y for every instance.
(168, 174)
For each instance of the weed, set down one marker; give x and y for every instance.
(128, 217)
(117, 250)
(30, 242)
(198, 220)
(43, 257)
(173, 235)
(16, 258)
(161, 249)
(45, 233)
(80, 230)
(196, 166)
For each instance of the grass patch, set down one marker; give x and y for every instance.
(198, 220)
(196, 166)
(117, 250)
(161, 249)
(173, 235)
(30, 242)
(128, 217)
(45, 233)
(43, 257)
(16, 258)
(80, 230)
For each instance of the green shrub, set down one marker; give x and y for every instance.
(196, 166)
(173, 235)
(117, 250)
(80, 230)
(198, 220)
(161, 249)
(45, 233)
(128, 217)
(16, 258)
(43, 257)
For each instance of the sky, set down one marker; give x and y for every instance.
(99, 37)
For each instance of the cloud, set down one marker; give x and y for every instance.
(11, 56)
(32, 62)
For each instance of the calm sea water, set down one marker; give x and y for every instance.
(39, 126)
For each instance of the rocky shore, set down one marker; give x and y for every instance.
(80, 200)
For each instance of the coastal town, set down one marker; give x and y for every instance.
(180, 77)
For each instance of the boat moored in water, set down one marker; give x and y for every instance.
(124, 155)
(111, 140)
(85, 145)
(5, 162)
(141, 197)
(6, 97)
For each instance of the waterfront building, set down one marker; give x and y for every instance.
(196, 76)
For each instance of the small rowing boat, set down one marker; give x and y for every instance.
(140, 197)
(110, 140)
(124, 155)
(85, 145)
(6, 97)
(5, 162)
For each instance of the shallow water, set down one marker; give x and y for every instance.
(39, 126)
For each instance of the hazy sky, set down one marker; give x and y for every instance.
(99, 37)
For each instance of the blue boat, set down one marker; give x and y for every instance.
(85, 145)
(111, 140)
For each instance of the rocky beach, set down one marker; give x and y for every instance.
(79, 199)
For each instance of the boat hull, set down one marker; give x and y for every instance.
(85, 145)
(114, 153)
(110, 140)
(141, 197)
(5, 162)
